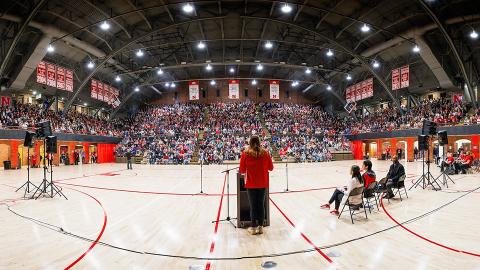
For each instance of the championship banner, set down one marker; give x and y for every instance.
(42, 73)
(358, 91)
(364, 89)
(69, 80)
(233, 89)
(396, 79)
(51, 75)
(94, 90)
(348, 94)
(61, 78)
(274, 89)
(100, 91)
(6, 101)
(370, 87)
(106, 93)
(405, 76)
(193, 90)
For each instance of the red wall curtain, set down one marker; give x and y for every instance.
(357, 150)
(105, 152)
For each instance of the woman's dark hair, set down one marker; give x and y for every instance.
(367, 163)
(356, 173)
(254, 147)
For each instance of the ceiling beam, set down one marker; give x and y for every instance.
(107, 16)
(141, 14)
(18, 35)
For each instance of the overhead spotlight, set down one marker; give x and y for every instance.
(308, 71)
(232, 70)
(294, 83)
(212, 82)
(117, 78)
(85, 104)
(34, 92)
(474, 34)
(137, 89)
(209, 67)
(286, 8)
(259, 67)
(349, 78)
(105, 25)
(167, 84)
(416, 49)
(172, 85)
(201, 45)
(329, 53)
(50, 48)
(268, 45)
(159, 71)
(139, 53)
(365, 28)
(254, 82)
(375, 64)
(329, 87)
(90, 65)
(187, 8)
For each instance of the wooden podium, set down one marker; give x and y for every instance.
(243, 206)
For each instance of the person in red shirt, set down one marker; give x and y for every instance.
(449, 161)
(255, 163)
(466, 162)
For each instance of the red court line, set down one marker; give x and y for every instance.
(212, 245)
(302, 234)
(98, 236)
(85, 176)
(423, 237)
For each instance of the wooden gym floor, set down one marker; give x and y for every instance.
(140, 215)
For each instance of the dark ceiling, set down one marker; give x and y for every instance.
(235, 33)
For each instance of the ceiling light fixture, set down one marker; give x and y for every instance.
(308, 71)
(117, 78)
(375, 64)
(50, 48)
(212, 82)
(416, 49)
(254, 82)
(474, 34)
(159, 71)
(268, 45)
(259, 67)
(90, 65)
(139, 53)
(329, 53)
(209, 67)
(105, 26)
(137, 89)
(286, 8)
(329, 87)
(201, 45)
(365, 28)
(232, 70)
(188, 8)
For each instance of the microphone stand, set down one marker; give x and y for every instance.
(228, 218)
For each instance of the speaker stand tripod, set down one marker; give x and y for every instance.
(427, 178)
(28, 183)
(228, 218)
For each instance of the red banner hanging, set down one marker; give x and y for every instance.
(193, 90)
(51, 75)
(94, 90)
(42, 73)
(396, 79)
(405, 76)
(69, 80)
(274, 89)
(61, 78)
(233, 89)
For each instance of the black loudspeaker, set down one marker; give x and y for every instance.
(29, 139)
(429, 128)
(442, 137)
(51, 144)
(423, 142)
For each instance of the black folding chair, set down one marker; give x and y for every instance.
(381, 188)
(369, 196)
(399, 187)
(354, 209)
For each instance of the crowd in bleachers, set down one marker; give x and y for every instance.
(163, 134)
(25, 116)
(170, 133)
(442, 111)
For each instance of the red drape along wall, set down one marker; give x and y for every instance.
(105, 152)
(357, 151)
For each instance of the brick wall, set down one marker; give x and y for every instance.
(294, 94)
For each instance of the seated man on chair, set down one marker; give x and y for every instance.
(368, 175)
(394, 173)
(466, 162)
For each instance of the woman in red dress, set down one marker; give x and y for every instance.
(256, 163)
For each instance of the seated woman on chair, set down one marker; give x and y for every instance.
(342, 192)
(368, 175)
(449, 161)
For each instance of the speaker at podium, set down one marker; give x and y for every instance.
(243, 206)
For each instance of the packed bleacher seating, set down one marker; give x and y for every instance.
(442, 111)
(25, 116)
